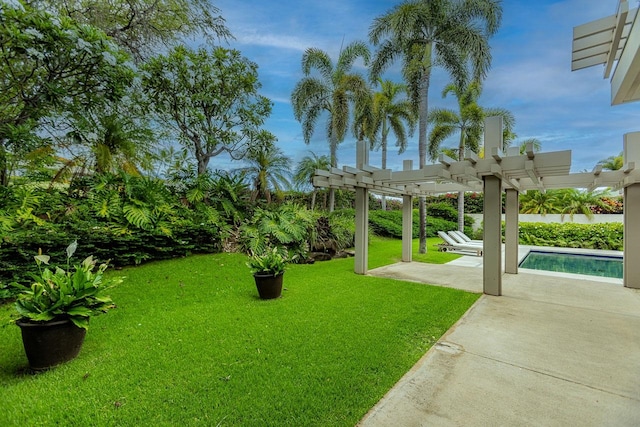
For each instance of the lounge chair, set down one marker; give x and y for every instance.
(451, 245)
(463, 238)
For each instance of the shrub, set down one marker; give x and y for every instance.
(570, 235)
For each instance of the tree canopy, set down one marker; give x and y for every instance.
(208, 98)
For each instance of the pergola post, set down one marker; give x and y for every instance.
(511, 232)
(492, 213)
(362, 215)
(631, 260)
(407, 219)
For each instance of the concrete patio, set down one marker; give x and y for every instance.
(553, 350)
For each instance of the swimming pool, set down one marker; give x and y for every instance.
(592, 265)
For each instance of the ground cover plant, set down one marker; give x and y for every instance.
(190, 343)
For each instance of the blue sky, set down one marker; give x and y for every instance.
(530, 75)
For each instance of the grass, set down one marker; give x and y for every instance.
(191, 344)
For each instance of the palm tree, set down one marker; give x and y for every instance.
(468, 122)
(539, 202)
(392, 115)
(535, 142)
(333, 91)
(303, 175)
(612, 163)
(573, 201)
(269, 167)
(424, 33)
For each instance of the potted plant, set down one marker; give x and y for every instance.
(268, 270)
(55, 309)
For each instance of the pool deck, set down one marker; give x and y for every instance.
(553, 350)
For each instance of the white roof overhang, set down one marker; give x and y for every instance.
(607, 40)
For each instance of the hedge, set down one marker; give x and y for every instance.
(570, 235)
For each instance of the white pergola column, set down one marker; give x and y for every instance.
(407, 220)
(492, 253)
(492, 213)
(362, 215)
(511, 232)
(631, 260)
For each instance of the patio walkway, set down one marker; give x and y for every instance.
(552, 351)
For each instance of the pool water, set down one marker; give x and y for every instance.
(593, 265)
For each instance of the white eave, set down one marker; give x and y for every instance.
(606, 41)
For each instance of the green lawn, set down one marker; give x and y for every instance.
(191, 344)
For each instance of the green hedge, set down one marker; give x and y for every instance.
(389, 223)
(18, 248)
(570, 235)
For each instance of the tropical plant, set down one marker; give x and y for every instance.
(425, 33)
(535, 144)
(392, 115)
(333, 90)
(573, 201)
(468, 122)
(65, 294)
(612, 163)
(306, 169)
(539, 202)
(272, 261)
(287, 226)
(208, 99)
(268, 167)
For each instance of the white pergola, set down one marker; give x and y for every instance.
(498, 172)
(610, 41)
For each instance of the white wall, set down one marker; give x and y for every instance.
(556, 218)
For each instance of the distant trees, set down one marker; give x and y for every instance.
(612, 163)
(468, 122)
(426, 33)
(332, 89)
(306, 169)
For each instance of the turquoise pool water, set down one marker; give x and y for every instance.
(593, 265)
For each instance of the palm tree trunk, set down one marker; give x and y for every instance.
(313, 199)
(461, 148)
(384, 166)
(422, 145)
(334, 163)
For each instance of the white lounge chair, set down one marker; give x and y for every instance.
(451, 245)
(463, 238)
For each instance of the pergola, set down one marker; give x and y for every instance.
(600, 42)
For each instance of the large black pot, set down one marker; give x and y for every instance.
(269, 286)
(50, 343)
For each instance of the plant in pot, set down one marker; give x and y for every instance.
(268, 271)
(55, 309)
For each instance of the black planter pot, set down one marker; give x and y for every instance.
(269, 286)
(50, 343)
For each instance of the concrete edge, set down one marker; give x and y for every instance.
(423, 360)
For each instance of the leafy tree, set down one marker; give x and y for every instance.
(333, 90)
(468, 122)
(612, 163)
(306, 169)
(208, 99)
(425, 33)
(392, 115)
(51, 67)
(142, 27)
(268, 169)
